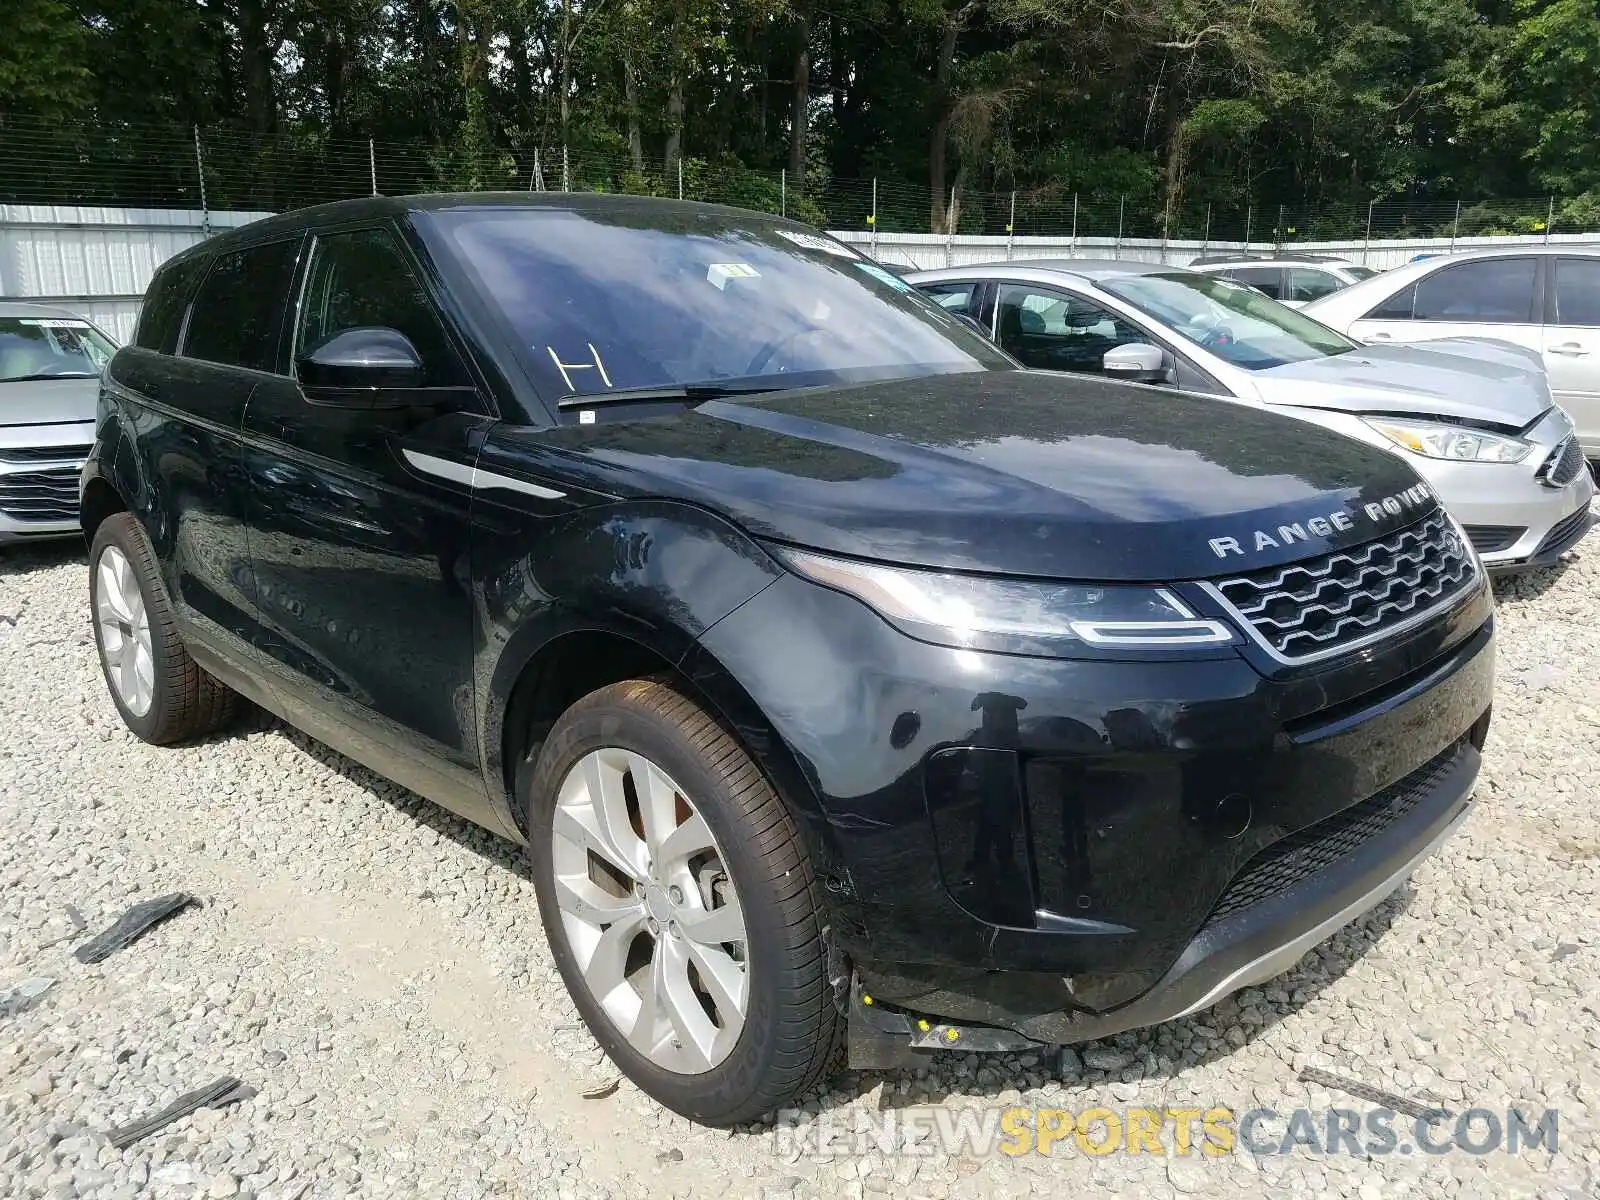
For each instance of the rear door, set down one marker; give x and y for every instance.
(1487, 297)
(192, 401)
(1572, 343)
(361, 556)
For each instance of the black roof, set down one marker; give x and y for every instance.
(369, 207)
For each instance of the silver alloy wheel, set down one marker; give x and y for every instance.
(125, 643)
(650, 911)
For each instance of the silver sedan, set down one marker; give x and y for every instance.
(1474, 416)
(50, 364)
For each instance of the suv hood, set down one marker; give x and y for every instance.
(1462, 379)
(48, 401)
(1011, 472)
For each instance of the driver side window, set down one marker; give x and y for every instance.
(362, 279)
(1053, 330)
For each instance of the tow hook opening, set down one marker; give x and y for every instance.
(883, 1036)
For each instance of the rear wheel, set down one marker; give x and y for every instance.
(161, 693)
(680, 905)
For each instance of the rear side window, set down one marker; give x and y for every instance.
(952, 297)
(1266, 280)
(1493, 291)
(237, 316)
(362, 279)
(1307, 284)
(1397, 307)
(1578, 291)
(161, 317)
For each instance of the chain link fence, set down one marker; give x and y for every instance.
(221, 169)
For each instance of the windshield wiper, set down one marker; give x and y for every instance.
(677, 391)
(50, 375)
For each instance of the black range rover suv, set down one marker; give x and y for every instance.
(843, 680)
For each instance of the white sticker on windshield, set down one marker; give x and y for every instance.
(54, 322)
(821, 311)
(718, 274)
(810, 241)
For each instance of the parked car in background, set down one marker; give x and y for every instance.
(1476, 418)
(50, 364)
(1543, 298)
(1292, 279)
(847, 684)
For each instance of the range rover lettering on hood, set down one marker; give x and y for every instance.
(1322, 525)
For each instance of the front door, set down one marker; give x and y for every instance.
(1572, 344)
(361, 559)
(1053, 330)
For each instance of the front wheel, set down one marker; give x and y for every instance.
(680, 905)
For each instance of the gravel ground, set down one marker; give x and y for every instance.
(376, 969)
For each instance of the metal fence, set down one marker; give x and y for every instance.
(224, 169)
(96, 261)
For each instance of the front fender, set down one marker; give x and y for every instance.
(658, 573)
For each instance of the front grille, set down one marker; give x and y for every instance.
(1564, 463)
(42, 454)
(1562, 530)
(1327, 605)
(1489, 539)
(1294, 859)
(40, 495)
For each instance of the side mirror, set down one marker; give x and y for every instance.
(356, 367)
(1137, 362)
(971, 321)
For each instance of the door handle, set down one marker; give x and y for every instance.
(1380, 337)
(1569, 350)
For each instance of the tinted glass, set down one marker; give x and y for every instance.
(1396, 308)
(1578, 291)
(363, 279)
(1495, 291)
(1057, 331)
(1306, 283)
(647, 296)
(46, 347)
(237, 315)
(1359, 273)
(161, 316)
(1266, 280)
(1237, 324)
(952, 297)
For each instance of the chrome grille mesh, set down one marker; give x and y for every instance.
(1327, 605)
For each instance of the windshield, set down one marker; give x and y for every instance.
(1359, 273)
(655, 296)
(50, 348)
(1237, 324)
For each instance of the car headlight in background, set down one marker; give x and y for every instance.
(1452, 442)
(969, 611)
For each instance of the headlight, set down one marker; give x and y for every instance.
(1012, 614)
(1451, 442)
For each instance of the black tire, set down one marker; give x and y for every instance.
(186, 703)
(792, 1037)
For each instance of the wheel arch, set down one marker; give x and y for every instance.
(578, 661)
